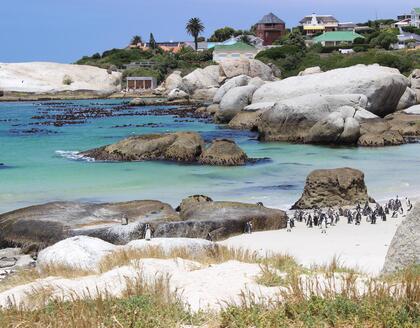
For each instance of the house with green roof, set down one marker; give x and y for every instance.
(337, 38)
(415, 17)
(234, 51)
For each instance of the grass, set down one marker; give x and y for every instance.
(312, 297)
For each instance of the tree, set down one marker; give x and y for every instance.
(222, 34)
(385, 40)
(136, 40)
(152, 42)
(246, 39)
(194, 27)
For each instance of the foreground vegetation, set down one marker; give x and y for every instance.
(299, 304)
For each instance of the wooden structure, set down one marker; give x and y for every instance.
(141, 83)
(270, 28)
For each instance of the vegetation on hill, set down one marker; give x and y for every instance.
(225, 33)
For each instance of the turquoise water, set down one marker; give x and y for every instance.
(33, 172)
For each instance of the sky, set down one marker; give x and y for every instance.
(65, 30)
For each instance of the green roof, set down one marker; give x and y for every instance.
(337, 36)
(417, 10)
(238, 46)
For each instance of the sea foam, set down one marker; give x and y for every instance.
(73, 155)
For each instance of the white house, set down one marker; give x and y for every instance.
(415, 17)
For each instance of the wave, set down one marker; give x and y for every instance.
(73, 155)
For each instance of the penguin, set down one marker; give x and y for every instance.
(288, 225)
(148, 233)
(323, 226)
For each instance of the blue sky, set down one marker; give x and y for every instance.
(65, 30)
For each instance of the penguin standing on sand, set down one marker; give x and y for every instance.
(323, 226)
(288, 225)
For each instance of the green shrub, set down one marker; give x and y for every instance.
(67, 80)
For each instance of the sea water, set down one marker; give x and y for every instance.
(42, 165)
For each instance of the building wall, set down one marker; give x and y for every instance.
(415, 19)
(270, 32)
(219, 56)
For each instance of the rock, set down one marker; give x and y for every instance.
(223, 219)
(192, 200)
(37, 227)
(382, 86)
(407, 125)
(237, 81)
(259, 69)
(413, 110)
(46, 77)
(388, 138)
(404, 250)
(10, 252)
(160, 90)
(174, 81)
(223, 152)
(234, 67)
(335, 129)
(335, 187)
(177, 94)
(291, 119)
(213, 109)
(276, 71)
(415, 83)
(408, 99)
(201, 79)
(194, 246)
(233, 102)
(206, 94)
(76, 253)
(259, 107)
(178, 146)
(7, 262)
(246, 121)
(310, 70)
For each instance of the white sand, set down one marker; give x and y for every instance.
(363, 247)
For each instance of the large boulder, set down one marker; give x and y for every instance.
(178, 146)
(291, 119)
(310, 70)
(333, 187)
(382, 86)
(237, 81)
(223, 152)
(176, 94)
(234, 101)
(192, 200)
(36, 227)
(173, 81)
(415, 83)
(201, 78)
(75, 253)
(46, 77)
(246, 120)
(206, 94)
(404, 250)
(223, 219)
(250, 67)
(408, 99)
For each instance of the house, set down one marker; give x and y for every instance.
(315, 24)
(402, 23)
(270, 28)
(234, 51)
(337, 38)
(174, 47)
(135, 83)
(407, 40)
(348, 26)
(415, 17)
(403, 17)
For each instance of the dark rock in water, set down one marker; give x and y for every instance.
(186, 147)
(335, 187)
(404, 250)
(223, 152)
(36, 227)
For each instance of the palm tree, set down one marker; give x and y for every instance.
(194, 28)
(136, 40)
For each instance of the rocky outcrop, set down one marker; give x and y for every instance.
(206, 94)
(235, 100)
(178, 146)
(291, 119)
(250, 67)
(404, 250)
(192, 200)
(45, 77)
(223, 152)
(408, 99)
(334, 187)
(201, 78)
(36, 227)
(237, 81)
(246, 121)
(173, 81)
(382, 86)
(310, 70)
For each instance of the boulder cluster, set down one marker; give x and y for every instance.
(36, 227)
(186, 147)
(365, 105)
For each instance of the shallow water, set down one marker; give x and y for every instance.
(40, 166)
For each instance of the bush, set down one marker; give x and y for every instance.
(67, 80)
(279, 52)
